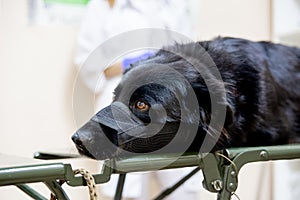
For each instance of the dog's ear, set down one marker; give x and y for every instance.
(205, 102)
(229, 116)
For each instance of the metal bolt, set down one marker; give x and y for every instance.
(217, 184)
(233, 173)
(263, 154)
(232, 186)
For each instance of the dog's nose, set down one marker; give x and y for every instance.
(76, 139)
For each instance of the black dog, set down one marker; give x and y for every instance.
(154, 106)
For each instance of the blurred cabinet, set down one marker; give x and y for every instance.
(286, 21)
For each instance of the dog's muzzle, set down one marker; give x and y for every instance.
(111, 127)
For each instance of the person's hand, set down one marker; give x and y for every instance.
(130, 60)
(119, 67)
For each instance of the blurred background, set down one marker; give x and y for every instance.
(37, 77)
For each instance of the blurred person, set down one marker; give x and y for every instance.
(107, 18)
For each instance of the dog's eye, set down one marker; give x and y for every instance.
(141, 105)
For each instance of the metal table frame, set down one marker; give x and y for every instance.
(220, 170)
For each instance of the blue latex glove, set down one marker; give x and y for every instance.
(127, 61)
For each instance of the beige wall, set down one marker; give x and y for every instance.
(36, 81)
(247, 19)
(37, 75)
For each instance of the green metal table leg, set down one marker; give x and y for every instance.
(57, 190)
(120, 186)
(31, 192)
(225, 193)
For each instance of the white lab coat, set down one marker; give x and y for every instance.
(101, 23)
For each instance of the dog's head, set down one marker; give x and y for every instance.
(162, 104)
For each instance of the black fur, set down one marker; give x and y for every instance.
(262, 82)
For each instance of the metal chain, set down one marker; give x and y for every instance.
(90, 182)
